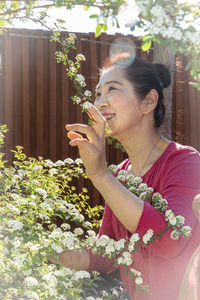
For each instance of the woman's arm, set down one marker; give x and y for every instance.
(125, 205)
(74, 259)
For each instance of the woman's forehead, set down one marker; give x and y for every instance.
(113, 74)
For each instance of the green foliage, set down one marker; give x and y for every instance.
(41, 215)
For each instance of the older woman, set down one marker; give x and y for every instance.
(130, 100)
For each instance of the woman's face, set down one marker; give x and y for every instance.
(118, 103)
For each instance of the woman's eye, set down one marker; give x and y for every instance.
(111, 88)
(98, 95)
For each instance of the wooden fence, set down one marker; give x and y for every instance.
(35, 94)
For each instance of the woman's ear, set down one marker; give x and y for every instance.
(150, 101)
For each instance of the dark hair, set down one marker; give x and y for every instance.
(145, 77)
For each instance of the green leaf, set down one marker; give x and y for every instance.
(104, 27)
(95, 16)
(86, 7)
(146, 45)
(2, 22)
(98, 30)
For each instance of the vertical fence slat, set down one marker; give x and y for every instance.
(53, 106)
(8, 55)
(39, 96)
(26, 95)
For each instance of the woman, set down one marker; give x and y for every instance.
(190, 286)
(130, 100)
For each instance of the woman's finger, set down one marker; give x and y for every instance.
(73, 135)
(99, 121)
(85, 129)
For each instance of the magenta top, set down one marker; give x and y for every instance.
(176, 176)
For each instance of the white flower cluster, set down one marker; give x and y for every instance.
(86, 105)
(15, 225)
(88, 93)
(80, 57)
(147, 236)
(80, 79)
(136, 186)
(138, 276)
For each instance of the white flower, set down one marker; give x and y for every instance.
(121, 178)
(142, 187)
(31, 295)
(128, 261)
(134, 238)
(102, 241)
(91, 233)
(131, 247)
(68, 161)
(48, 163)
(157, 11)
(88, 224)
(112, 168)
(5, 251)
(138, 280)
(137, 180)
(78, 161)
(80, 57)
(62, 208)
(21, 173)
(130, 178)
(86, 105)
(172, 220)
(175, 235)
(51, 280)
(169, 214)
(59, 163)
(38, 168)
(135, 272)
(120, 244)
(79, 170)
(79, 218)
(76, 99)
(123, 172)
(13, 208)
(15, 225)
(56, 233)
(120, 260)
(65, 226)
(148, 235)
(30, 281)
(88, 93)
(180, 220)
(41, 192)
(91, 240)
(57, 248)
(63, 272)
(81, 275)
(78, 231)
(109, 248)
(81, 79)
(186, 231)
(90, 298)
(15, 197)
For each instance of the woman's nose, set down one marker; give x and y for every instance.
(101, 102)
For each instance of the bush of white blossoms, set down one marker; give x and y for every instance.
(42, 214)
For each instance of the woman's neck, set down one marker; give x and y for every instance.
(143, 151)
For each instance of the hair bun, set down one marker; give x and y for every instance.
(164, 74)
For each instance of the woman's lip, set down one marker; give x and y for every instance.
(108, 116)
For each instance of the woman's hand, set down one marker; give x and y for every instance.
(91, 149)
(74, 259)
